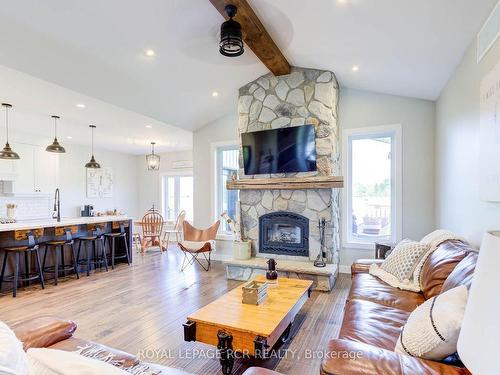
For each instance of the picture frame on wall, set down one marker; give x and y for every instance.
(100, 182)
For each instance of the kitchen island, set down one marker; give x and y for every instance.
(15, 234)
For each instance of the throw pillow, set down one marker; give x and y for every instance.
(44, 361)
(397, 269)
(436, 238)
(432, 329)
(13, 359)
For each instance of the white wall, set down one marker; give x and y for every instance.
(458, 206)
(357, 109)
(366, 109)
(222, 130)
(149, 183)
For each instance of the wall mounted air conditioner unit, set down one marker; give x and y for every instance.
(489, 33)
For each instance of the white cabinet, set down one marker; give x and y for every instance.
(45, 165)
(7, 169)
(35, 171)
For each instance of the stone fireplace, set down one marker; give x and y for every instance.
(305, 96)
(284, 233)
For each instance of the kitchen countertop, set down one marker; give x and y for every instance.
(65, 221)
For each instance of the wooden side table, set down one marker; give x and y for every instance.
(382, 248)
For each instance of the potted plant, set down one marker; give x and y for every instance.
(242, 249)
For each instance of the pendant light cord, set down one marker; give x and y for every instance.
(7, 123)
(55, 128)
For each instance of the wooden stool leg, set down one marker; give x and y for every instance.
(40, 269)
(126, 250)
(26, 268)
(87, 251)
(56, 266)
(2, 275)
(45, 257)
(63, 264)
(75, 260)
(16, 274)
(112, 243)
(105, 258)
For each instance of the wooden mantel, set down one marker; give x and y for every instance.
(291, 183)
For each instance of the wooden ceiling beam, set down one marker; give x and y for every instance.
(256, 36)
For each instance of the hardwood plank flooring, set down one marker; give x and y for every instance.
(141, 308)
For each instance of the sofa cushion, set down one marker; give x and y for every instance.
(368, 287)
(363, 265)
(371, 323)
(462, 273)
(439, 265)
(13, 359)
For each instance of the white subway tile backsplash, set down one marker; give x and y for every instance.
(28, 208)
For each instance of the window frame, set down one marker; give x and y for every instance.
(395, 132)
(215, 180)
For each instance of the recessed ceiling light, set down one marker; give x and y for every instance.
(215, 94)
(69, 137)
(355, 68)
(341, 2)
(150, 53)
(149, 126)
(80, 105)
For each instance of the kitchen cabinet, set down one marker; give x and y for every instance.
(35, 171)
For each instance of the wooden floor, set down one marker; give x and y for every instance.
(141, 308)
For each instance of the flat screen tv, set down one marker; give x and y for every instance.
(284, 150)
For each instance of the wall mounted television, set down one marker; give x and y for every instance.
(284, 150)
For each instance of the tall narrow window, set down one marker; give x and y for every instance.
(226, 160)
(177, 195)
(373, 204)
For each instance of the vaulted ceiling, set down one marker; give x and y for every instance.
(97, 48)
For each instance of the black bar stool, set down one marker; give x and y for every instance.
(61, 245)
(15, 278)
(113, 240)
(93, 258)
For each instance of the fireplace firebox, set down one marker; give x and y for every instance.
(284, 233)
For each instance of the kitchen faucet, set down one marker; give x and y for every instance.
(57, 206)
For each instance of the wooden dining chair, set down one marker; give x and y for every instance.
(152, 227)
(177, 230)
(198, 242)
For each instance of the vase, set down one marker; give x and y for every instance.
(242, 250)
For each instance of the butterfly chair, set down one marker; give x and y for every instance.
(177, 230)
(152, 226)
(198, 242)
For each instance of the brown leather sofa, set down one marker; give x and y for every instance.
(375, 313)
(56, 333)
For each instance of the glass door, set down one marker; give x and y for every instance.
(177, 195)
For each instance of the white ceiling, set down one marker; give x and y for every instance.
(35, 100)
(403, 47)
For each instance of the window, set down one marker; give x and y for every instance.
(177, 195)
(372, 196)
(226, 163)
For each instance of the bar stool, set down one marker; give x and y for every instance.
(30, 247)
(115, 237)
(61, 245)
(93, 241)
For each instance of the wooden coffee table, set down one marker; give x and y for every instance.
(252, 330)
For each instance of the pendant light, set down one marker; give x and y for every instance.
(92, 163)
(55, 146)
(153, 160)
(231, 44)
(7, 152)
